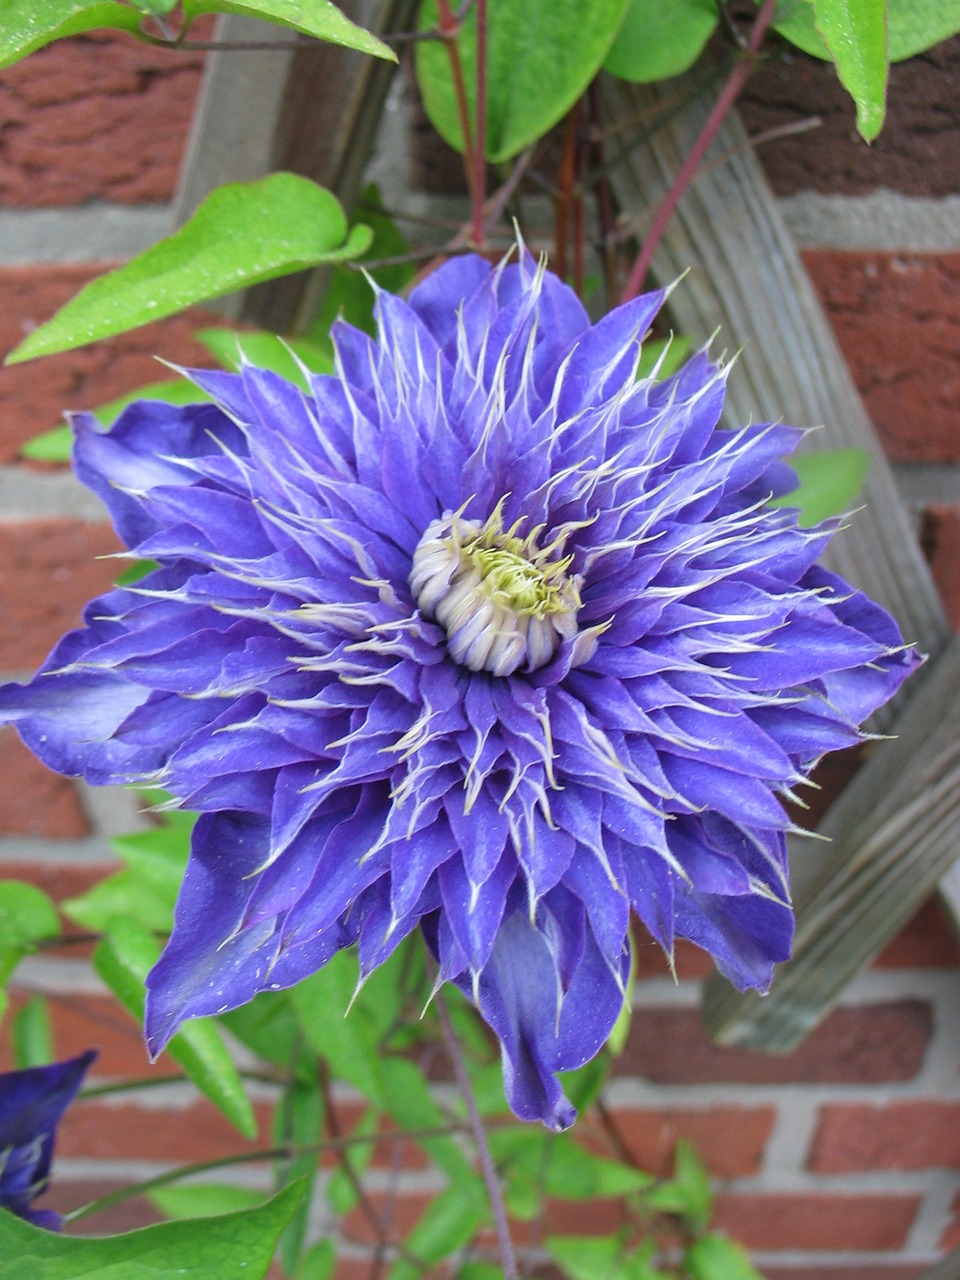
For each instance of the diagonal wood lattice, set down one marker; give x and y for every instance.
(892, 832)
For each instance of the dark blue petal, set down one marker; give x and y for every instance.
(32, 1103)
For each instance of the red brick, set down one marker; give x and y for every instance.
(99, 117)
(881, 1042)
(98, 1128)
(387, 1154)
(94, 1022)
(918, 151)
(927, 941)
(897, 319)
(34, 801)
(49, 569)
(941, 541)
(729, 1140)
(829, 1222)
(853, 1138)
(34, 396)
(690, 962)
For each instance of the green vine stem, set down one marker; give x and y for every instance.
(508, 1258)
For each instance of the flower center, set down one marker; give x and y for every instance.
(503, 601)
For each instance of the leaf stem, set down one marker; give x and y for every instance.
(508, 1258)
(284, 1151)
(685, 174)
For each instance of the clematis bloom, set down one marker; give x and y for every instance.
(31, 1105)
(482, 635)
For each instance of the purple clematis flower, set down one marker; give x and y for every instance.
(31, 1104)
(482, 635)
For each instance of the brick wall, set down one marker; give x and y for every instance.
(840, 1160)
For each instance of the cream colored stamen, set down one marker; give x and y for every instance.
(504, 602)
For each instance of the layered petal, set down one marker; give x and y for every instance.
(481, 633)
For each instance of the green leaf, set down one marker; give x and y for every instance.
(562, 1167)
(241, 234)
(541, 56)
(602, 1258)
(342, 1193)
(32, 1034)
(230, 347)
(221, 1248)
(916, 25)
(688, 1193)
(298, 1120)
(30, 24)
(202, 1199)
(412, 1106)
(617, 1039)
(349, 1041)
(794, 20)
(717, 1258)
(583, 1085)
(349, 294)
(830, 480)
(318, 1262)
(479, 1271)
(269, 1026)
(146, 889)
(670, 352)
(317, 18)
(123, 959)
(855, 32)
(912, 26)
(155, 6)
(658, 40)
(27, 917)
(449, 1222)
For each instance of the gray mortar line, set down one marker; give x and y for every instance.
(55, 975)
(40, 495)
(88, 851)
(100, 232)
(788, 1146)
(935, 1214)
(845, 1258)
(922, 1182)
(884, 221)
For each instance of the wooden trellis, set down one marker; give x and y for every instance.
(893, 831)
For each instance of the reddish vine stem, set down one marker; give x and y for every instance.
(604, 197)
(508, 1258)
(725, 101)
(580, 213)
(564, 194)
(449, 28)
(478, 188)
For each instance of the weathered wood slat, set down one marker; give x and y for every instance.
(329, 117)
(311, 108)
(893, 834)
(893, 831)
(746, 279)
